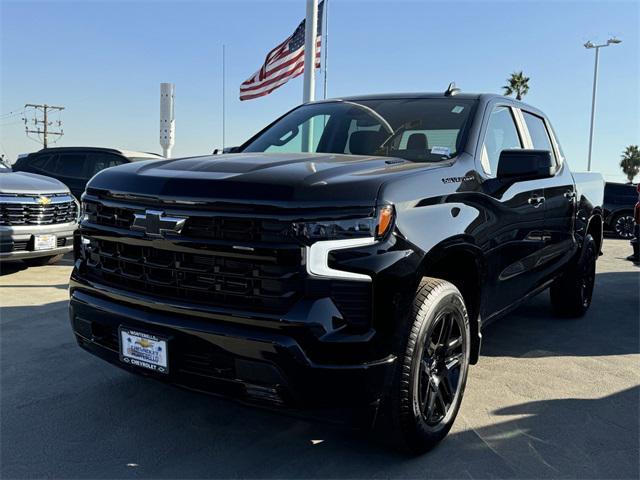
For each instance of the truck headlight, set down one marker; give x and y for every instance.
(376, 227)
(331, 236)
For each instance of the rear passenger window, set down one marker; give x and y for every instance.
(100, 161)
(538, 133)
(501, 134)
(43, 162)
(70, 165)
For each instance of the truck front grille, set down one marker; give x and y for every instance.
(238, 257)
(52, 209)
(269, 281)
(219, 227)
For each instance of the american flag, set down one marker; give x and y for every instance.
(283, 63)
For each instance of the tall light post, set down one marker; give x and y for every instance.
(590, 44)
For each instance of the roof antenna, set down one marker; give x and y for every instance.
(451, 90)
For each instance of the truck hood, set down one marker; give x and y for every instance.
(29, 184)
(265, 178)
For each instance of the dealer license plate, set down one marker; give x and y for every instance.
(144, 350)
(44, 242)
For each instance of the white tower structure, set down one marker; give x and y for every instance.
(167, 118)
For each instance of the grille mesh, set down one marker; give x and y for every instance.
(25, 210)
(268, 283)
(225, 228)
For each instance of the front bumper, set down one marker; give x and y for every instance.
(17, 242)
(273, 360)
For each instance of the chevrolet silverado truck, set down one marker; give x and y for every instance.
(347, 255)
(38, 216)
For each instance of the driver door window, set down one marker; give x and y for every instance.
(501, 134)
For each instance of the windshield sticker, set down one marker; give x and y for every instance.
(457, 109)
(440, 151)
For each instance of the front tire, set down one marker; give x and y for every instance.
(433, 345)
(571, 294)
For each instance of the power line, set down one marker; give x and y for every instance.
(12, 113)
(44, 121)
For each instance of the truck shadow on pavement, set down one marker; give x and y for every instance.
(610, 327)
(67, 414)
(9, 268)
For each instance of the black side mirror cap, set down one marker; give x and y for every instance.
(519, 165)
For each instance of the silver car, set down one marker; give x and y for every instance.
(38, 216)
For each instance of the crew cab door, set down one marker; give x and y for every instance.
(514, 228)
(559, 195)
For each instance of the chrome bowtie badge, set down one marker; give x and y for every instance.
(154, 223)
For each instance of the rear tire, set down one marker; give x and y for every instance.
(571, 293)
(41, 261)
(430, 373)
(623, 225)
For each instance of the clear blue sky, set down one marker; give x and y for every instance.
(104, 61)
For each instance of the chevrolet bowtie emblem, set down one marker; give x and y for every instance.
(44, 200)
(155, 224)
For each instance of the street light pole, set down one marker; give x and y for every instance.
(589, 44)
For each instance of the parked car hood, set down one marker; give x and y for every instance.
(29, 183)
(260, 177)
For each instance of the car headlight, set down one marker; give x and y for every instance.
(376, 227)
(340, 235)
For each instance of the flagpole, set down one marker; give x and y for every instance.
(325, 44)
(223, 98)
(310, 33)
(308, 93)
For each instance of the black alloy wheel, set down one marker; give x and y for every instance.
(440, 367)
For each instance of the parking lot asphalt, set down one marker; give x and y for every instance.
(550, 398)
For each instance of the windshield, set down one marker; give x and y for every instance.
(427, 129)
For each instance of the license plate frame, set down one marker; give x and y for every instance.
(44, 242)
(139, 348)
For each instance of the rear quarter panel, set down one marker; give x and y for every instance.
(590, 197)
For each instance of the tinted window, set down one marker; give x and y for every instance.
(538, 132)
(43, 162)
(615, 192)
(418, 129)
(70, 165)
(100, 161)
(502, 134)
(291, 141)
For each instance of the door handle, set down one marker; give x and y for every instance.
(536, 201)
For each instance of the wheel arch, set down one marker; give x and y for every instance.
(462, 263)
(595, 227)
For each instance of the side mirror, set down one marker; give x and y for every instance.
(519, 165)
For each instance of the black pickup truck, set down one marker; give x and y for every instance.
(348, 254)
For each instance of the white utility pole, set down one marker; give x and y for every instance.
(308, 95)
(167, 118)
(589, 44)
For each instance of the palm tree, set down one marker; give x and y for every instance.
(518, 84)
(630, 163)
